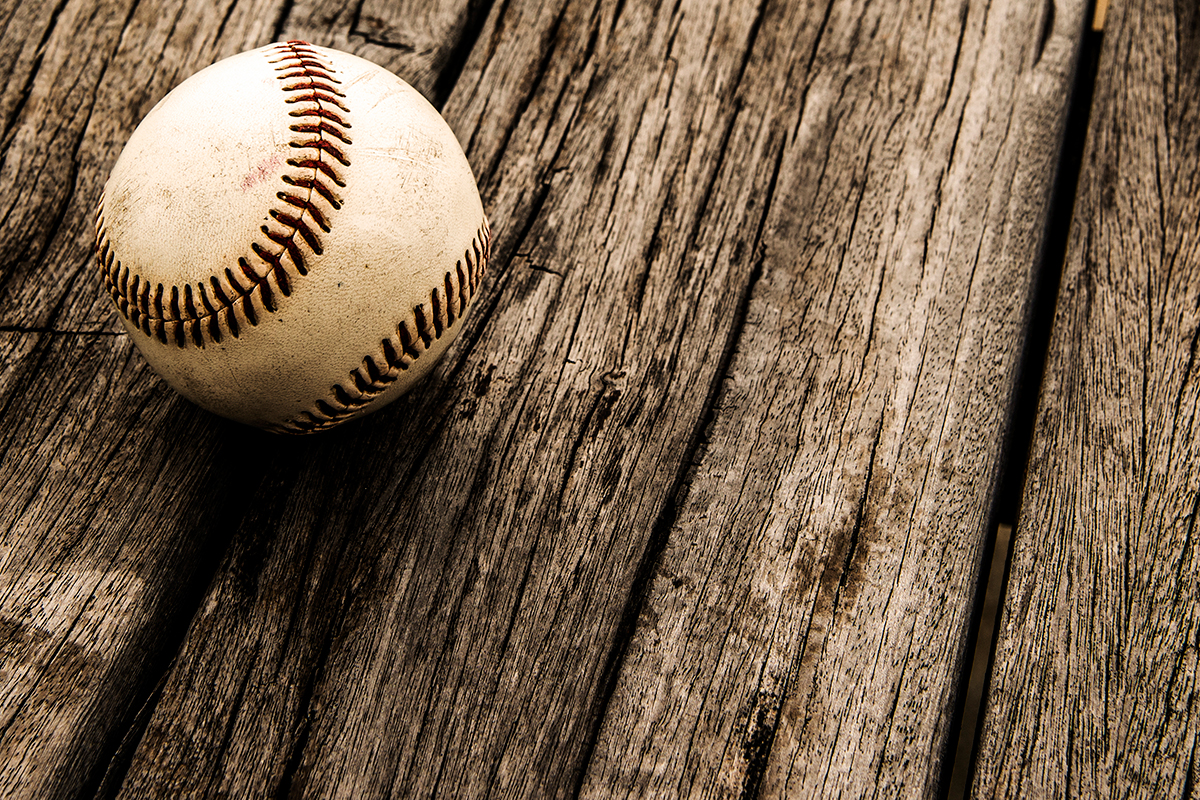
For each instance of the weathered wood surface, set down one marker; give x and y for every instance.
(116, 498)
(106, 479)
(739, 378)
(803, 633)
(1094, 687)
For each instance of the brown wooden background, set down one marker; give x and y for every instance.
(702, 502)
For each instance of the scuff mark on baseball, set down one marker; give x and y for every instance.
(292, 237)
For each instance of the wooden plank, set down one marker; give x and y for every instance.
(118, 498)
(432, 602)
(804, 632)
(1093, 691)
(116, 502)
(107, 528)
(97, 551)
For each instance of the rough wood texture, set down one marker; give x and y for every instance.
(804, 630)
(117, 497)
(1094, 686)
(107, 479)
(447, 623)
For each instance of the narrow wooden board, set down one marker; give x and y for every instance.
(1094, 687)
(107, 529)
(804, 632)
(117, 497)
(425, 42)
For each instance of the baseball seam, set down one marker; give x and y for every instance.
(198, 313)
(397, 352)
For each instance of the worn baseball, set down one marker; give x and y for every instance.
(292, 237)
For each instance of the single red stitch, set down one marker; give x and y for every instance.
(408, 342)
(472, 274)
(180, 334)
(158, 302)
(236, 285)
(320, 128)
(249, 271)
(305, 69)
(316, 87)
(270, 259)
(290, 247)
(322, 113)
(325, 146)
(451, 301)
(218, 292)
(248, 307)
(394, 360)
(307, 205)
(189, 303)
(373, 371)
(214, 328)
(285, 284)
(267, 295)
(288, 241)
(143, 299)
(438, 315)
(210, 314)
(330, 196)
(321, 166)
(463, 288)
(231, 321)
(317, 97)
(423, 325)
(192, 324)
(209, 309)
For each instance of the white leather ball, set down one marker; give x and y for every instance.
(292, 237)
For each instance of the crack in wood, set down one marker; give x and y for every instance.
(34, 329)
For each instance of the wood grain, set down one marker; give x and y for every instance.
(108, 525)
(804, 629)
(1094, 686)
(425, 42)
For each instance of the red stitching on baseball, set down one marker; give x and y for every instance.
(315, 97)
(398, 352)
(323, 126)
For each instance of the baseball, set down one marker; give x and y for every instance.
(292, 237)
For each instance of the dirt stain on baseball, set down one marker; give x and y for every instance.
(267, 168)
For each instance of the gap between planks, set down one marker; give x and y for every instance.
(994, 573)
